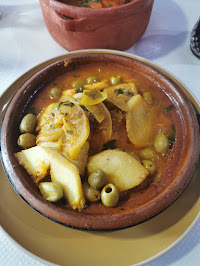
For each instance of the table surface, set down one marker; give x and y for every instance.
(25, 43)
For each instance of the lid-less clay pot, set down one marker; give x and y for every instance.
(139, 205)
(77, 28)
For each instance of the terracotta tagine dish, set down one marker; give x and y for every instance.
(108, 24)
(100, 141)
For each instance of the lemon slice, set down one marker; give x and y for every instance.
(120, 94)
(97, 85)
(96, 111)
(77, 129)
(65, 127)
(101, 132)
(92, 97)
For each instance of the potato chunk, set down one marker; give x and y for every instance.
(139, 121)
(121, 169)
(38, 160)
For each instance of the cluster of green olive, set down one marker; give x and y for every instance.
(56, 92)
(27, 127)
(161, 145)
(109, 194)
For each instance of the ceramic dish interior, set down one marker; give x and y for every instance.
(139, 205)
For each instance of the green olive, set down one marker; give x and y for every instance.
(26, 140)
(97, 179)
(90, 193)
(28, 123)
(148, 97)
(115, 80)
(55, 93)
(78, 84)
(110, 195)
(148, 154)
(149, 165)
(51, 191)
(161, 143)
(92, 79)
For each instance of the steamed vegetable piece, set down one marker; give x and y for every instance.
(39, 160)
(121, 169)
(139, 121)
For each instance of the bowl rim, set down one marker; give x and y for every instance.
(5, 159)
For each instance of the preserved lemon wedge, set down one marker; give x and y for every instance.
(77, 130)
(65, 127)
(90, 97)
(97, 85)
(120, 94)
(103, 130)
(96, 111)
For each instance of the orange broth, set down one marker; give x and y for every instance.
(162, 122)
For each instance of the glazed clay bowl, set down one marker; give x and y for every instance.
(139, 204)
(76, 28)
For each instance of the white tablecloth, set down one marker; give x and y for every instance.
(25, 43)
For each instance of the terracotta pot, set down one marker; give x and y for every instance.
(77, 28)
(139, 204)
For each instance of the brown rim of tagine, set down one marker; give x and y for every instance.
(76, 28)
(138, 206)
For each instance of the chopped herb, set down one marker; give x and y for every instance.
(121, 91)
(32, 111)
(83, 107)
(93, 95)
(109, 145)
(58, 106)
(172, 137)
(79, 90)
(68, 103)
(70, 132)
(121, 209)
(74, 66)
(85, 2)
(126, 2)
(76, 76)
(170, 107)
(68, 17)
